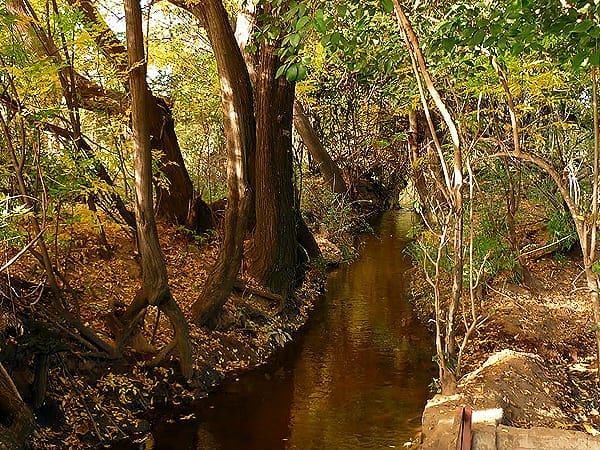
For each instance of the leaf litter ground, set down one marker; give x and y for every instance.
(91, 401)
(556, 384)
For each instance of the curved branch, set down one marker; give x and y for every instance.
(564, 192)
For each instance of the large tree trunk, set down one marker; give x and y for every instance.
(273, 253)
(155, 288)
(17, 420)
(236, 96)
(174, 201)
(327, 166)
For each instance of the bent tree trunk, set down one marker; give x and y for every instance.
(174, 200)
(236, 98)
(155, 288)
(329, 169)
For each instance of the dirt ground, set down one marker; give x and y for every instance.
(555, 384)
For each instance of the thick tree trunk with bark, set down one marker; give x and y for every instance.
(273, 253)
(236, 96)
(155, 288)
(327, 166)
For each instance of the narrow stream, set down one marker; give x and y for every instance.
(358, 378)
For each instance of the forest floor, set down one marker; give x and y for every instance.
(93, 401)
(546, 373)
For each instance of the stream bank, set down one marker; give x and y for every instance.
(356, 376)
(91, 402)
(533, 359)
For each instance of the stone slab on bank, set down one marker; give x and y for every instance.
(508, 388)
(488, 436)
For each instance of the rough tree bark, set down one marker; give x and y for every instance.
(155, 286)
(273, 252)
(274, 187)
(17, 419)
(246, 21)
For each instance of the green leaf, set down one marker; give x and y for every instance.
(579, 59)
(482, 24)
(467, 32)
(295, 39)
(516, 48)
(388, 66)
(280, 71)
(583, 27)
(448, 43)
(302, 71)
(478, 37)
(291, 74)
(319, 22)
(302, 10)
(302, 22)
(336, 38)
(595, 61)
(388, 6)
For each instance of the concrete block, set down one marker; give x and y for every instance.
(509, 438)
(484, 437)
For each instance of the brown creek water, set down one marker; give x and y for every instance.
(356, 378)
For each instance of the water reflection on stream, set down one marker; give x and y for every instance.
(358, 378)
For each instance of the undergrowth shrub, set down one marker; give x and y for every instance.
(333, 216)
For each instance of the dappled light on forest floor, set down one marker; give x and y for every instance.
(97, 400)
